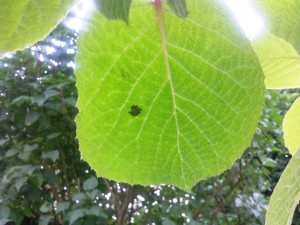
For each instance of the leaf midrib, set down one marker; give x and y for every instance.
(160, 20)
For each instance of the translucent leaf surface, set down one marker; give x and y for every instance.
(291, 127)
(280, 62)
(28, 21)
(286, 194)
(283, 19)
(166, 100)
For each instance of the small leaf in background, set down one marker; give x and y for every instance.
(25, 22)
(79, 197)
(46, 207)
(178, 7)
(21, 99)
(167, 221)
(39, 100)
(53, 135)
(4, 212)
(29, 148)
(279, 60)
(24, 155)
(31, 118)
(115, 9)
(62, 206)
(11, 152)
(92, 194)
(44, 219)
(53, 155)
(70, 101)
(286, 194)
(75, 215)
(268, 162)
(291, 127)
(90, 183)
(20, 182)
(50, 93)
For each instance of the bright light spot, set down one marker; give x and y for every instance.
(77, 201)
(247, 16)
(70, 51)
(186, 202)
(8, 55)
(71, 64)
(174, 200)
(154, 203)
(139, 197)
(41, 58)
(58, 43)
(50, 50)
(82, 12)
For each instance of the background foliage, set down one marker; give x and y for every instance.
(43, 180)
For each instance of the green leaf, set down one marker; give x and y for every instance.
(283, 19)
(286, 194)
(79, 197)
(31, 117)
(291, 127)
(25, 22)
(178, 7)
(50, 93)
(21, 99)
(62, 206)
(173, 104)
(11, 152)
(90, 183)
(116, 9)
(46, 207)
(167, 221)
(53, 155)
(44, 220)
(4, 212)
(279, 60)
(268, 162)
(30, 148)
(20, 182)
(75, 215)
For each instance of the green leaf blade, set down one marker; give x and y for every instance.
(26, 22)
(283, 17)
(190, 128)
(286, 194)
(279, 60)
(291, 127)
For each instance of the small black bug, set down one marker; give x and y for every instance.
(135, 110)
